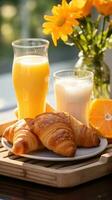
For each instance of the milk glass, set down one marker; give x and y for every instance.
(73, 89)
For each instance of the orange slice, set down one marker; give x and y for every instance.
(100, 116)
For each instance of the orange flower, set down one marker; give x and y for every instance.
(61, 23)
(104, 6)
(84, 6)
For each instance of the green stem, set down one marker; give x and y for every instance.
(103, 27)
(78, 43)
(103, 44)
(89, 27)
(84, 34)
(98, 21)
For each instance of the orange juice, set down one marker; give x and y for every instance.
(30, 76)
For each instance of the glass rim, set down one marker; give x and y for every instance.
(89, 73)
(16, 43)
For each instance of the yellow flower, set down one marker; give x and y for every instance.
(104, 6)
(84, 6)
(61, 23)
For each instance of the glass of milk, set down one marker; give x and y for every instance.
(73, 89)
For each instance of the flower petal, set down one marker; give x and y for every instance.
(64, 38)
(54, 38)
(61, 23)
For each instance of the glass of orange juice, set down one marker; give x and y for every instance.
(30, 74)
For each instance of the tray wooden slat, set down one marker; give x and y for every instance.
(57, 174)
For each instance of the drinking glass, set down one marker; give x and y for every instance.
(73, 89)
(30, 74)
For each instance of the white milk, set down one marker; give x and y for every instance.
(72, 95)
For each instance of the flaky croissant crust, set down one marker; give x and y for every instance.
(53, 128)
(59, 132)
(55, 132)
(22, 138)
(84, 136)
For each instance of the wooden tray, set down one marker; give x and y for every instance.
(56, 174)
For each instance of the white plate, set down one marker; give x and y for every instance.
(81, 153)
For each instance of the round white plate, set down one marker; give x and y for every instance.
(81, 153)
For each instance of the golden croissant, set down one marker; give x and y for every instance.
(10, 130)
(23, 140)
(59, 132)
(85, 136)
(62, 133)
(55, 133)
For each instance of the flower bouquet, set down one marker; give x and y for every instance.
(86, 24)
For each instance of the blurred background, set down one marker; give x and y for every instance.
(24, 18)
(21, 19)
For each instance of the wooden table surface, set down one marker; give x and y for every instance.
(12, 189)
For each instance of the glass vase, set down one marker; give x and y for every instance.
(101, 72)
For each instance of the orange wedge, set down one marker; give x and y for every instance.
(49, 108)
(100, 116)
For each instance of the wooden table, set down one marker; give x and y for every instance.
(12, 189)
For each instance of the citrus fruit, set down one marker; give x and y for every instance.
(100, 116)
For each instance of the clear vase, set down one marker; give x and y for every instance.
(101, 72)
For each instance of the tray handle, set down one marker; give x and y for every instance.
(106, 158)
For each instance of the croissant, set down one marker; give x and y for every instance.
(10, 130)
(23, 140)
(85, 136)
(55, 133)
(62, 133)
